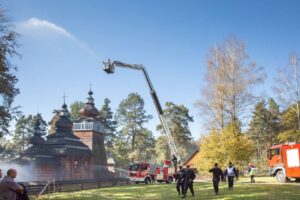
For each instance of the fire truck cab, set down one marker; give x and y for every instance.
(284, 162)
(140, 173)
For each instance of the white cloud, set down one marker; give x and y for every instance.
(45, 27)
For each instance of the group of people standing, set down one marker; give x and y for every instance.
(9, 189)
(219, 175)
(185, 180)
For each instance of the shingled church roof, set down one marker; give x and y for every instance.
(60, 143)
(63, 141)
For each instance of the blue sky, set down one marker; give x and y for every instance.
(65, 42)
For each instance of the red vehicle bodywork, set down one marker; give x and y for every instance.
(144, 172)
(284, 161)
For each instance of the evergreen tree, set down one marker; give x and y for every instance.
(258, 129)
(145, 146)
(106, 119)
(8, 80)
(22, 133)
(75, 110)
(25, 127)
(131, 117)
(162, 149)
(178, 119)
(7, 150)
(42, 124)
(274, 121)
(289, 131)
(264, 128)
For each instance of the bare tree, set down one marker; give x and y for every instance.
(212, 105)
(229, 82)
(288, 86)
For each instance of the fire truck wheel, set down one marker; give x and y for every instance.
(298, 180)
(280, 177)
(147, 181)
(170, 180)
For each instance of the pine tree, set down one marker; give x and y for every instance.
(22, 133)
(258, 129)
(131, 117)
(178, 119)
(42, 124)
(145, 146)
(274, 121)
(162, 149)
(106, 119)
(289, 131)
(7, 150)
(24, 129)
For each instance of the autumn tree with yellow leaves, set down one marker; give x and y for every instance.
(229, 144)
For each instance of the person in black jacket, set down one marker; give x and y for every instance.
(180, 176)
(189, 181)
(24, 194)
(217, 176)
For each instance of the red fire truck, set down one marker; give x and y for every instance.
(143, 172)
(284, 162)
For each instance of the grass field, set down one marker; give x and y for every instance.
(265, 188)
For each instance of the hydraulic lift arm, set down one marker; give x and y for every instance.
(109, 67)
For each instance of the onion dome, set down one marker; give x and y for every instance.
(89, 109)
(63, 123)
(37, 139)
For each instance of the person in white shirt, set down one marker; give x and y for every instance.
(230, 172)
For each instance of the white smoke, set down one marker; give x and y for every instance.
(24, 172)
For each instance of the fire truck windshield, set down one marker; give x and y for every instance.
(275, 152)
(134, 167)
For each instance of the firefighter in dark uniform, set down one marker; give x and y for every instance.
(180, 177)
(217, 176)
(189, 181)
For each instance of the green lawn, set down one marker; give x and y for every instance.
(265, 188)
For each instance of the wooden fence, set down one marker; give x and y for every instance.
(35, 187)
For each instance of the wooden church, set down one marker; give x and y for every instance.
(71, 150)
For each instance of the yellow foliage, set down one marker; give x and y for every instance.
(224, 146)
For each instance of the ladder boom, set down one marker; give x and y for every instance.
(109, 68)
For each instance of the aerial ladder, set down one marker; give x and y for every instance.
(109, 67)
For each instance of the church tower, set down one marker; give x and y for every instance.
(90, 131)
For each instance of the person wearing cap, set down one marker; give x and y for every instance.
(217, 176)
